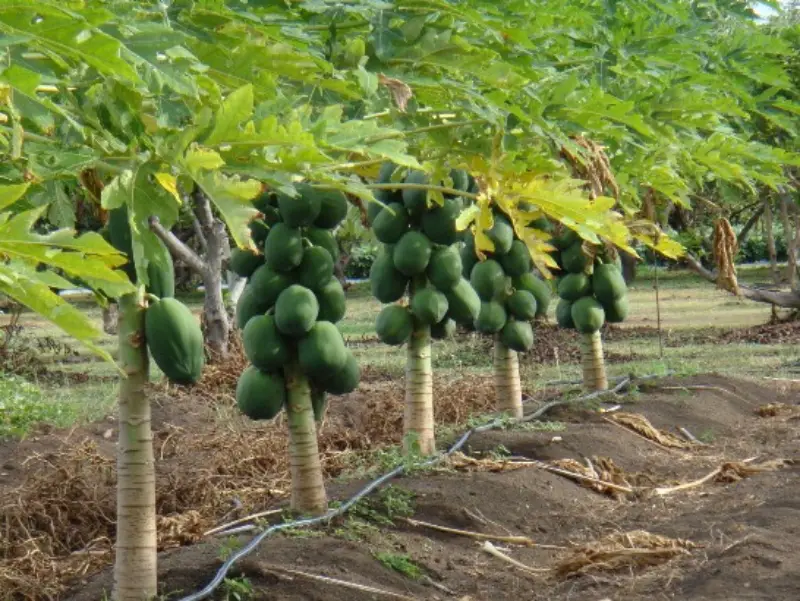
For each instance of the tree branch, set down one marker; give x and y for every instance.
(177, 248)
(742, 237)
(788, 299)
(202, 207)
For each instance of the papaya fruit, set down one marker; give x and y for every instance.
(263, 344)
(300, 210)
(587, 315)
(573, 286)
(322, 352)
(616, 311)
(416, 201)
(444, 329)
(325, 239)
(259, 231)
(385, 172)
(175, 340)
(573, 258)
(260, 395)
(522, 305)
(283, 249)
(460, 179)
(564, 314)
(444, 268)
(463, 303)
(333, 209)
(374, 208)
(439, 223)
(565, 238)
(331, 299)
(429, 306)
(386, 283)
(488, 279)
(119, 231)
(265, 201)
(542, 223)
(296, 310)
(244, 262)
(538, 287)
(501, 234)
(468, 257)
(267, 285)
(345, 379)
(517, 261)
(316, 268)
(391, 223)
(249, 305)
(492, 318)
(608, 285)
(517, 335)
(394, 325)
(161, 274)
(412, 253)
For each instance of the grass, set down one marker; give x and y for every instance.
(687, 306)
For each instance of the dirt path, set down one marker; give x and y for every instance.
(734, 537)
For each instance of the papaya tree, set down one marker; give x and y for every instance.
(288, 312)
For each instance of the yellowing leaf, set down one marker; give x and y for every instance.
(170, 183)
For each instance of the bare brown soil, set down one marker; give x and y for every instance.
(732, 537)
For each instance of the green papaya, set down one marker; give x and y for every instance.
(119, 231)
(574, 259)
(501, 234)
(161, 274)
(541, 224)
(616, 311)
(444, 329)
(608, 285)
(296, 310)
(416, 201)
(259, 231)
(468, 256)
(266, 201)
(439, 224)
(249, 305)
(333, 209)
(374, 208)
(391, 223)
(386, 283)
(522, 305)
(565, 238)
(573, 286)
(488, 279)
(260, 395)
(517, 335)
(394, 325)
(463, 303)
(492, 318)
(587, 315)
(175, 340)
(244, 262)
(302, 209)
(385, 172)
(412, 253)
(263, 344)
(564, 314)
(538, 287)
(444, 268)
(267, 285)
(316, 268)
(345, 379)
(283, 249)
(517, 261)
(460, 179)
(331, 299)
(325, 239)
(429, 306)
(322, 352)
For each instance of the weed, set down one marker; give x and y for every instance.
(386, 505)
(237, 589)
(541, 426)
(400, 563)
(707, 436)
(228, 547)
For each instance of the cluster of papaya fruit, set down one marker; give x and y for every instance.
(173, 334)
(419, 256)
(592, 289)
(292, 301)
(511, 295)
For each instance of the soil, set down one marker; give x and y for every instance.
(733, 537)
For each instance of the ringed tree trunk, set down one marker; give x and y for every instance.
(594, 366)
(418, 433)
(135, 564)
(308, 488)
(507, 386)
(216, 323)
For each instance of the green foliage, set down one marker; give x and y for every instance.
(400, 563)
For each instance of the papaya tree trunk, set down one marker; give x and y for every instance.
(506, 380)
(308, 487)
(135, 564)
(110, 318)
(418, 419)
(594, 366)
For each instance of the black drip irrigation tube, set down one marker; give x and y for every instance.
(501, 422)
